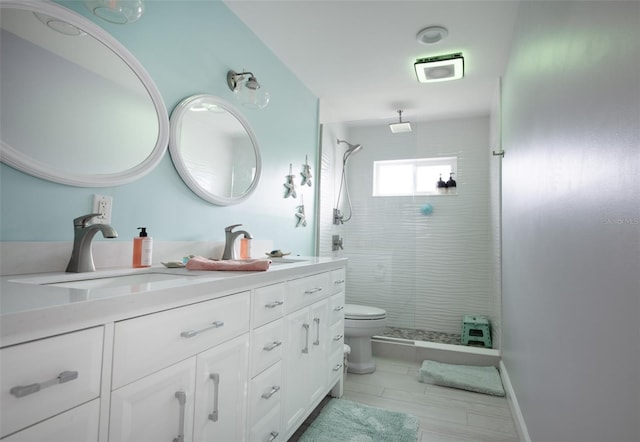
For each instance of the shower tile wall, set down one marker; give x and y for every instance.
(425, 271)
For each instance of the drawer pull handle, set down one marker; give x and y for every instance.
(306, 346)
(271, 346)
(274, 304)
(182, 400)
(339, 281)
(271, 392)
(337, 337)
(272, 436)
(338, 308)
(317, 321)
(24, 390)
(312, 291)
(337, 367)
(215, 377)
(192, 333)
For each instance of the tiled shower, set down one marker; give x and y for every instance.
(426, 271)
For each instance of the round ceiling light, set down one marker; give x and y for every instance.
(431, 35)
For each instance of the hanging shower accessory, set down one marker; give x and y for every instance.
(338, 217)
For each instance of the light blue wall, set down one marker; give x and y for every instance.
(187, 47)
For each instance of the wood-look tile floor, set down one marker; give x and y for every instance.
(444, 414)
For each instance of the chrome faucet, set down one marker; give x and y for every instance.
(83, 233)
(230, 239)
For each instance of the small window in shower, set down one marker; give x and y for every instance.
(418, 176)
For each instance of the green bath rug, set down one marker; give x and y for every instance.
(344, 421)
(466, 377)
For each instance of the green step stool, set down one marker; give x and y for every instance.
(476, 329)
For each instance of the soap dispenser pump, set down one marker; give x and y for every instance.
(142, 249)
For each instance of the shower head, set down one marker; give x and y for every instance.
(353, 148)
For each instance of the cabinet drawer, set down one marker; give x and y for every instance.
(46, 377)
(149, 343)
(268, 304)
(266, 346)
(336, 366)
(336, 334)
(268, 429)
(265, 393)
(305, 291)
(79, 424)
(336, 308)
(338, 280)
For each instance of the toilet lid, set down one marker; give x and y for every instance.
(354, 311)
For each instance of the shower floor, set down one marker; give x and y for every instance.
(421, 335)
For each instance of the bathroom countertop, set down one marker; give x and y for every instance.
(32, 308)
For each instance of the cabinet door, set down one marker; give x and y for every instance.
(297, 367)
(221, 392)
(319, 350)
(156, 408)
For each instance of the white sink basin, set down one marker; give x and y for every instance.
(117, 281)
(286, 260)
(100, 280)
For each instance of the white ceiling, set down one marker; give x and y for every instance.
(357, 56)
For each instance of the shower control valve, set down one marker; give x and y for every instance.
(336, 243)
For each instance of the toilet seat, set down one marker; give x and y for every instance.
(363, 312)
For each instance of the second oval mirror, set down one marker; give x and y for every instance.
(214, 150)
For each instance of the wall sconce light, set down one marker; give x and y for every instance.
(400, 126)
(117, 11)
(248, 90)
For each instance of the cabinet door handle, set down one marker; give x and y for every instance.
(215, 377)
(182, 400)
(24, 390)
(338, 308)
(306, 345)
(274, 304)
(271, 346)
(337, 337)
(317, 321)
(192, 333)
(338, 281)
(312, 291)
(271, 392)
(272, 436)
(337, 367)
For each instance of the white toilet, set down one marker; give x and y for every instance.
(361, 322)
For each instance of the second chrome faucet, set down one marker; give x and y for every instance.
(230, 239)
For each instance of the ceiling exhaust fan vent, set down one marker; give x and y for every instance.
(440, 68)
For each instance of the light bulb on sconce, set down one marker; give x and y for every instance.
(117, 11)
(248, 90)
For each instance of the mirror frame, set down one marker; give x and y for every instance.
(174, 149)
(18, 160)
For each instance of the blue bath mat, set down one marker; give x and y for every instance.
(466, 377)
(345, 421)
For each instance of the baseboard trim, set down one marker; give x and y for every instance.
(521, 426)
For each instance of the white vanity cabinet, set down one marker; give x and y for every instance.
(225, 358)
(47, 377)
(182, 374)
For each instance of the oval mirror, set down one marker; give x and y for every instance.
(214, 150)
(77, 108)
